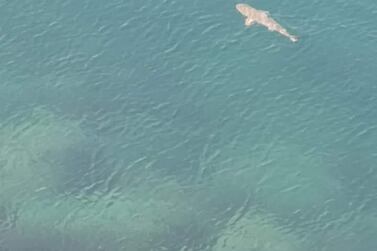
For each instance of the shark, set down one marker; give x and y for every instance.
(262, 17)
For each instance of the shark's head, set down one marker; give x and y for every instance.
(243, 9)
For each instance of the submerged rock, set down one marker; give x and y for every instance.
(32, 148)
(161, 219)
(281, 180)
(256, 232)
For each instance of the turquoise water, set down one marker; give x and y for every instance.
(168, 125)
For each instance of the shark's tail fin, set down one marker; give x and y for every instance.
(293, 38)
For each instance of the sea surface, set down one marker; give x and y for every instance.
(168, 125)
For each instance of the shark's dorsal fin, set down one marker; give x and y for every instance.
(249, 21)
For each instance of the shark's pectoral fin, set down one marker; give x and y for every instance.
(249, 22)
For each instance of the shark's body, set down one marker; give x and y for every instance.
(263, 18)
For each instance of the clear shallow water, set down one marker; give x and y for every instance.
(169, 126)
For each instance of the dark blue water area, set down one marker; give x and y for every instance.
(169, 125)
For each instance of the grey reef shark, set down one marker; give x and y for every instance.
(254, 16)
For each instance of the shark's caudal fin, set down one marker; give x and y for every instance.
(293, 38)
